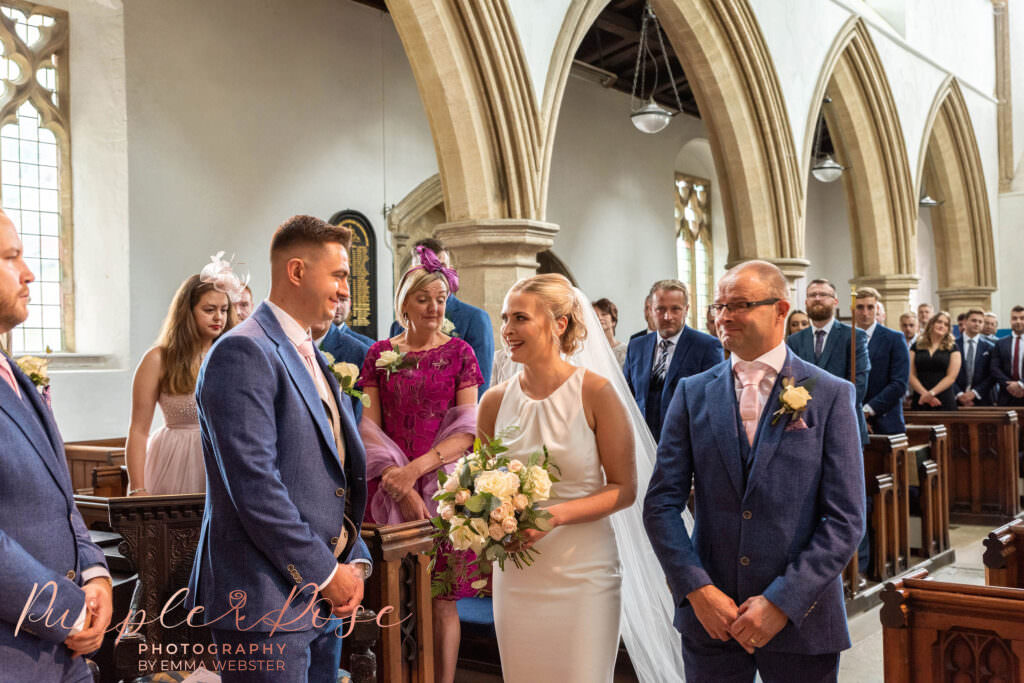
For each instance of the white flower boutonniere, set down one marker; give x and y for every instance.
(37, 370)
(347, 375)
(392, 361)
(448, 327)
(792, 400)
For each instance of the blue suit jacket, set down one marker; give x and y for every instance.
(835, 359)
(346, 330)
(695, 352)
(1001, 367)
(788, 532)
(982, 380)
(275, 488)
(474, 326)
(347, 348)
(42, 537)
(887, 381)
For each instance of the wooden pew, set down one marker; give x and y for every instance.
(401, 580)
(937, 631)
(85, 456)
(1004, 556)
(936, 438)
(983, 462)
(928, 498)
(887, 454)
(110, 481)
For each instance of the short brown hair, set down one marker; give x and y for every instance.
(1017, 309)
(308, 230)
(865, 292)
(823, 281)
(975, 311)
(606, 306)
(907, 315)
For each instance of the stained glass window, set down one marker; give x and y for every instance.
(693, 243)
(34, 178)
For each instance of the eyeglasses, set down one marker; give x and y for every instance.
(737, 306)
(820, 295)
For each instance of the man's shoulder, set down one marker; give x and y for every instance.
(698, 338)
(635, 343)
(890, 335)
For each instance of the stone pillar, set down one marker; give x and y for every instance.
(492, 254)
(895, 291)
(959, 299)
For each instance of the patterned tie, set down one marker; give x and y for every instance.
(661, 367)
(8, 375)
(970, 362)
(750, 374)
(819, 344)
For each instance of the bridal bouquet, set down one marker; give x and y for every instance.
(487, 502)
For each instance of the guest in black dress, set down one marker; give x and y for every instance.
(934, 365)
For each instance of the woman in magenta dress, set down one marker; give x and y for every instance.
(422, 387)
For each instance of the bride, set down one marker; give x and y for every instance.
(595, 575)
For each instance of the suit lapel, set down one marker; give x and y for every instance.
(646, 361)
(769, 436)
(832, 342)
(720, 398)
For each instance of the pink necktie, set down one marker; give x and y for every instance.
(309, 356)
(8, 375)
(750, 374)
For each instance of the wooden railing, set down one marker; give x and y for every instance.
(936, 437)
(1004, 556)
(85, 456)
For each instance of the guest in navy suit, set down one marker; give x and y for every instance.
(470, 323)
(1008, 362)
(826, 343)
(890, 367)
(973, 386)
(780, 502)
(43, 540)
(341, 315)
(657, 361)
(286, 473)
(343, 348)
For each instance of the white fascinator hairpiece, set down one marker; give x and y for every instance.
(219, 273)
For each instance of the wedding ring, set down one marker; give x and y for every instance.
(753, 641)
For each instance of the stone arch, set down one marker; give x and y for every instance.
(950, 169)
(720, 46)
(868, 140)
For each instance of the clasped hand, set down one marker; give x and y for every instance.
(398, 481)
(345, 590)
(98, 611)
(752, 624)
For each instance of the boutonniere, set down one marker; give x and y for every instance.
(393, 361)
(37, 370)
(792, 400)
(347, 375)
(448, 327)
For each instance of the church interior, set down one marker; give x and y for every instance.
(872, 143)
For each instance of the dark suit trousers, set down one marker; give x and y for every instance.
(712, 661)
(310, 656)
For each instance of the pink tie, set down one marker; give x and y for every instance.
(309, 356)
(8, 375)
(750, 374)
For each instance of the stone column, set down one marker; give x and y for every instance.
(959, 299)
(492, 254)
(895, 291)
(794, 269)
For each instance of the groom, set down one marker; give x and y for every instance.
(285, 472)
(779, 503)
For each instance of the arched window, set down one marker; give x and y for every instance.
(693, 243)
(35, 173)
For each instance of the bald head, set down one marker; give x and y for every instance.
(751, 331)
(768, 274)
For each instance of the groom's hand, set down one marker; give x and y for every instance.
(345, 591)
(758, 622)
(715, 610)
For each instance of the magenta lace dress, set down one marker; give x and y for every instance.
(413, 402)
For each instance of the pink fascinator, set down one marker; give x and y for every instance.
(220, 274)
(430, 263)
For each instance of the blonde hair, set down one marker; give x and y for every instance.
(415, 279)
(557, 296)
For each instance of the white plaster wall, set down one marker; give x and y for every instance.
(827, 241)
(927, 287)
(959, 35)
(611, 194)
(1017, 89)
(538, 23)
(1011, 292)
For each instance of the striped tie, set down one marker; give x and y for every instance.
(661, 367)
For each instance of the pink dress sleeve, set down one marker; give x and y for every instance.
(469, 375)
(368, 376)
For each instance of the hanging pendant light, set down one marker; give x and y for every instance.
(647, 115)
(825, 169)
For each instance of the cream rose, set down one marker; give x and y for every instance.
(795, 397)
(509, 525)
(520, 502)
(461, 536)
(537, 483)
(451, 484)
(446, 510)
(480, 531)
(346, 370)
(496, 532)
(33, 365)
(386, 358)
(461, 496)
(502, 512)
(515, 466)
(500, 484)
(328, 356)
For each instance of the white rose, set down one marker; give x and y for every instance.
(480, 535)
(509, 525)
(462, 536)
(451, 484)
(447, 327)
(328, 356)
(386, 358)
(346, 370)
(520, 502)
(461, 496)
(500, 484)
(33, 365)
(446, 510)
(515, 466)
(496, 532)
(537, 483)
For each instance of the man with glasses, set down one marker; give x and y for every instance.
(779, 494)
(826, 343)
(657, 361)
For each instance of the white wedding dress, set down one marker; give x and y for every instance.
(558, 620)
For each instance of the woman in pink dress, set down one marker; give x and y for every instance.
(171, 460)
(421, 417)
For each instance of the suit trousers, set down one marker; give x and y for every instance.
(50, 662)
(712, 661)
(310, 656)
